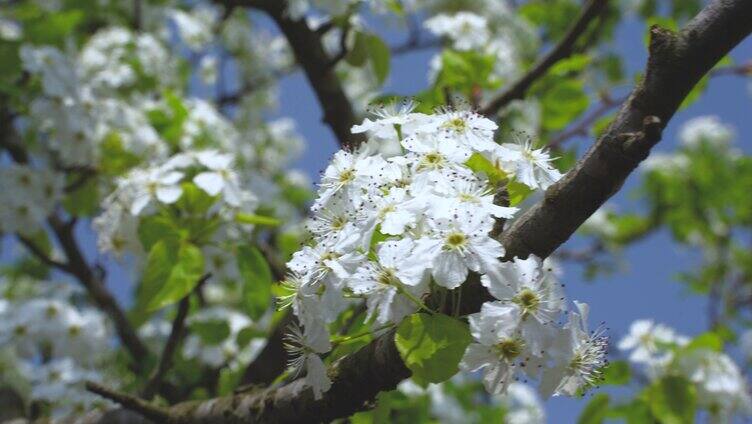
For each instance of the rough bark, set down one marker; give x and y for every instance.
(675, 65)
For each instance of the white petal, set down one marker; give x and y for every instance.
(449, 270)
(316, 376)
(169, 194)
(211, 182)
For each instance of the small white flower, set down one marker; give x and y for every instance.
(304, 350)
(455, 246)
(220, 178)
(467, 30)
(581, 357)
(529, 166)
(386, 282)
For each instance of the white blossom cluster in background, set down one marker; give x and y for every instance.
(53, 344)
(702, 130)
(28, 195)
(721, 387)
(391, 229)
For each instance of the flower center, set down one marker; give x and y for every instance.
(338, 223)
(468, 198)
(387, 277)
(455, 241)
(509, 348)
(528, 300)
(432, 160)
(456, 124)
(347, 176)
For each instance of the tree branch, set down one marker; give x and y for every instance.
(95, 287)
(173, 342)
(310, 54)
(676, 63)
(561, 51)
(133, 403)
(40, 254)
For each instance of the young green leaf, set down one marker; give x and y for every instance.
(182, 278)
(432, 345)
(257, 281)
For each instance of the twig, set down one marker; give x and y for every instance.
(173, 341)
(132, 403)
(342, 47)
(41, 254)
(561, 51)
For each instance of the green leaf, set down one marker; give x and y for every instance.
(672, 400)
(358, 53)
(478, 163)
(211, 332)
(84, 201)
(379, 56)
(257, 281)
(707, 340)
(562, 103)
(152, 229)
(595, 411)
(432, 345)
(158, 267)
(518, 192)
(182, 278)
(116, 160)
(249, 218)
(616, 374)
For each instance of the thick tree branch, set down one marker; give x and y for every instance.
(676, 63)
(561, 51)
(132, 403)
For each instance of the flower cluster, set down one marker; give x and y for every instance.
(54, 345)
(721, 387)
(28, 195)
(391, 229)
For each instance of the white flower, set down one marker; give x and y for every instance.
(530, 166)
(387, 282)
(393, 212)
(153, 184)
(432, 153)
(468, 195)
(467, 30)
(706, 129)
(455, 246)
(303, 350)
(533, 290)
(220, 178)
(468, 129)
(390, 117)
(195, 28)
(580, 357)
(499, 350)
(650, 343)
(523, 405)
(721, 387)
(346, 173)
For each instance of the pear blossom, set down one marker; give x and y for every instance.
(458, 245)
(219, 178)
(387, 282)
(529, 166)
(466, 30)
